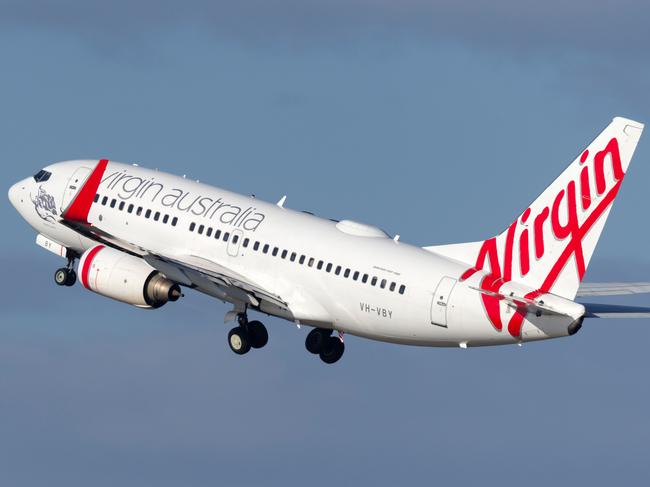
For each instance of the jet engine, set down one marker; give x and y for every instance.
(125, 278)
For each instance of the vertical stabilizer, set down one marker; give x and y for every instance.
(549, 246)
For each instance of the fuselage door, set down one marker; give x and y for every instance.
(74, 184)
(234, 242)
(440, 300)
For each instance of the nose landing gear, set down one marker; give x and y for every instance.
(320, 342)
(66, 276)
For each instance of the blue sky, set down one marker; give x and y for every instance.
(405, 115)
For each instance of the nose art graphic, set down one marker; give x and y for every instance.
(44, 204)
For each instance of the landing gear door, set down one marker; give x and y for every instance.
(440, 300)
(75, 183)
(234, 242)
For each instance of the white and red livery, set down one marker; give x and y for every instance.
(140, 235)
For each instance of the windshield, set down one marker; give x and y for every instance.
(42, 176)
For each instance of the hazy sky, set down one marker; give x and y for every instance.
(409, 115)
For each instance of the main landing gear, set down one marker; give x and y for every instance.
(321, 342)
(249, 334)
(66, 276)
(253, 334)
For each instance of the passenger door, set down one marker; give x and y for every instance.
(440, 300)
(75, 183)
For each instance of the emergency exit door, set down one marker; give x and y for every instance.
(440, 300)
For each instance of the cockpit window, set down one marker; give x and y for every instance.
(42, 176)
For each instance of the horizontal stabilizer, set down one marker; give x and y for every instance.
(528, 305)
(597, 310)
(613, 288)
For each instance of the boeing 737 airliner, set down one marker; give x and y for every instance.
(138, 236)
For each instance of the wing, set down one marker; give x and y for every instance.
(191, 270)
(202, 273)
(613, 288)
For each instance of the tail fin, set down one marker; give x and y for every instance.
(549, 246)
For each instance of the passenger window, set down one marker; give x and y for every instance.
(121, 205)
(201, 227)
(235, 239)
(402, 288)
(256, 246)
(245, 242)
(284, 254)
(392, 286)
(208, 233)
(174, 221)
(217, 234)
(338, 270)
(275, 251)
(347, 273)
(156, 216)
(130, 208)
(96, 199)
(329, 267)
(192, 225)
(373, 281)
(364, 279)
(139, 211)
(265, 249)
(226, 236)
(293, 257)
(104, 200)
(302, 259)
(355, 276)
(320, 265)
(113, 201)
(311, 262)
(383, 283)
(165, 218)
(147, 214)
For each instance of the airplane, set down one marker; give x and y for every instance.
(140, 236)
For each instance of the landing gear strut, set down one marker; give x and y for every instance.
(249, 334)
(321, 342)
(66, 276)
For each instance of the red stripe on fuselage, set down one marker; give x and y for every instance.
(87, 263)
(80, 206)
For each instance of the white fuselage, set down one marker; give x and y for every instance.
(396, 301)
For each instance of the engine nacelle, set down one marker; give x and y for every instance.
(125, 278)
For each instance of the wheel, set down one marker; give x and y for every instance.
(258, 334)
(239, 341)
(332, 350)
(316, 339)
(72, 278)
(61, 276)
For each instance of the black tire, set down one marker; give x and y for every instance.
(72, 278)
(332, 351)
(238, 341)
(258, 334)
(316, 339)
(61, 276)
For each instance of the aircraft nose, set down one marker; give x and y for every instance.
(14, 194)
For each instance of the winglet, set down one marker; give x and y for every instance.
(78, 210)
(282, 200)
